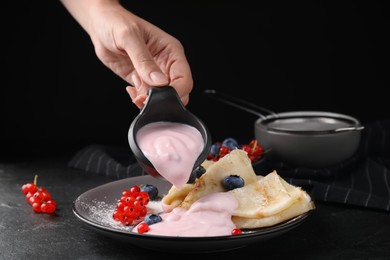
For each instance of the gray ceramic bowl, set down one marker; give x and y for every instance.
(312, 139)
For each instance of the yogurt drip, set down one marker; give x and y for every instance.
(172, 148)
(211, 215)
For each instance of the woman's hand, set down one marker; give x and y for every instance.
(136, 50)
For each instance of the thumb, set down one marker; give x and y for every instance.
(149, 72)
(158, 78)
(143, 62)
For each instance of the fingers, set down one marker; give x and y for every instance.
(140, 87)
(137, 99)
(143, 62)
(135, 80)
(181, 79)
(158, 78)
(140, 100)
(147, 72)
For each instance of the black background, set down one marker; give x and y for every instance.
(56, 96)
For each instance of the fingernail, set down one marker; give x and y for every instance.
(158, 78)
(132, 92)
(136, 81)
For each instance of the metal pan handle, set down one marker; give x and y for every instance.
(240, 103)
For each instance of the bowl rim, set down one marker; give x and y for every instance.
(352, 123)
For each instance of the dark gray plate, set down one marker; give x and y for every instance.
(95, 208)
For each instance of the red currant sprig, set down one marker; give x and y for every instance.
(254, 150)
(131, 207)
(38, 197)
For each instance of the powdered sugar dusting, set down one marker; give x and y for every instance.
(101, 212)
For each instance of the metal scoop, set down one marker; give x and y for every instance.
(164, 104)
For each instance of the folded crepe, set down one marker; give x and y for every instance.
(301, 205)
(269, 201)
(263, 200)
(236, 162)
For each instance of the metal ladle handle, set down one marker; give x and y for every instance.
(240, 103)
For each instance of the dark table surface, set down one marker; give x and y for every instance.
(332, 231)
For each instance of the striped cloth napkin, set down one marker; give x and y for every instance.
(363, 180)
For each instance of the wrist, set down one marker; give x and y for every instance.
(83, 11)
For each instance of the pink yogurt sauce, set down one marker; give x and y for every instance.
(211, 215)
(172, 148)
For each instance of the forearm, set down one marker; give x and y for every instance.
(81, 10)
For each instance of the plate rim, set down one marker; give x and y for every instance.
(247, 233)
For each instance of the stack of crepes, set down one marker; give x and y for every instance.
(263, 200)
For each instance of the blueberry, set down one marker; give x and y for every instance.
(230, 143)
(214, 150)
(151, 219)
(232, 182)
(151, 190)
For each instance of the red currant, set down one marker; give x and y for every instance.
(118, 215)
(236, 231)
(38, 196)
(48, 206)
(132, 206)
(36, 206)
(29, 187)
(135, 190)
(143, 228)
(31, 200)
(223, 151)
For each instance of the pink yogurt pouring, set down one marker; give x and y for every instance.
(211, 215)
(172, 148)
